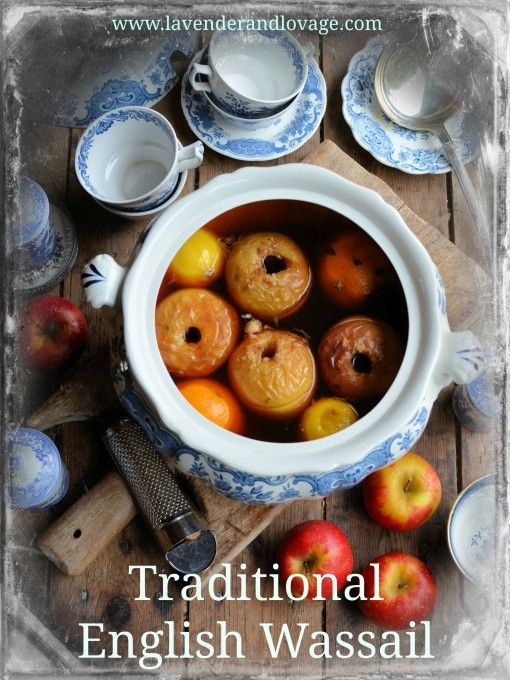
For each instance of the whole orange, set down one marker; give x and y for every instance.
(215, 402)
(352, 267)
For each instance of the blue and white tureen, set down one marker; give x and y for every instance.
(255, 471)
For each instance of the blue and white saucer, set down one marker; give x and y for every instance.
(471, 529)
(54, 269)
(279, 137)
(408, 150)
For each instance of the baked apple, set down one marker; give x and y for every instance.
(196, 330)
(273, 373)
(267, 275)
(352, 267)
(359, 357)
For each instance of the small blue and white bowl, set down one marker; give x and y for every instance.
(131, 158)
(33, 234)
(38, 477)
(471, 530)
(43, 239)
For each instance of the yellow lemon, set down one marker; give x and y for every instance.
(326, 416)
(199, 262)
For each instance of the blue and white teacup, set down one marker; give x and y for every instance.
(131, 158)
(252, 72)
(33, 233)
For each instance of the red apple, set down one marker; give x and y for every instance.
(315, 547)
(403, 495)
(54, 331)
(407, 589)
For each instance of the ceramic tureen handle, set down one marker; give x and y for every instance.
(462, 359)
(102, 280)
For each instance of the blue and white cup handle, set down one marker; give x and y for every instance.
(200, 69)
(190, 157)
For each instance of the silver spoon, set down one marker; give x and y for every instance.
(419, 82)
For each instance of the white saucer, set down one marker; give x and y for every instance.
(141, 214)
(39, 281)
(285, 134)
(471, 529)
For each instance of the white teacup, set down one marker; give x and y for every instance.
(252, 72)
(131, 158)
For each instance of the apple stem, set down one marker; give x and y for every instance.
(408, 484)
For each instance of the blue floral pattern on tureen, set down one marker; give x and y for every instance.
(127, 89)
(257, 489)
(408, 150)
(287, 133)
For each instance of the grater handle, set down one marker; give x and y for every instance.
(177, 525)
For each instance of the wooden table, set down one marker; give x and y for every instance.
(105, 592)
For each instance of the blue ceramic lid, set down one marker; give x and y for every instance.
(481, 393)
(34, 208)
(35, 467)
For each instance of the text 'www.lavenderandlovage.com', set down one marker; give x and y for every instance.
(278, 22)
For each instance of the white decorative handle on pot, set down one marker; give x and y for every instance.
(190, 157)
(102, 280)
(462, 359)
(196, 70)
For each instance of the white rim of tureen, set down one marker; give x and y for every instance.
(409, 390)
